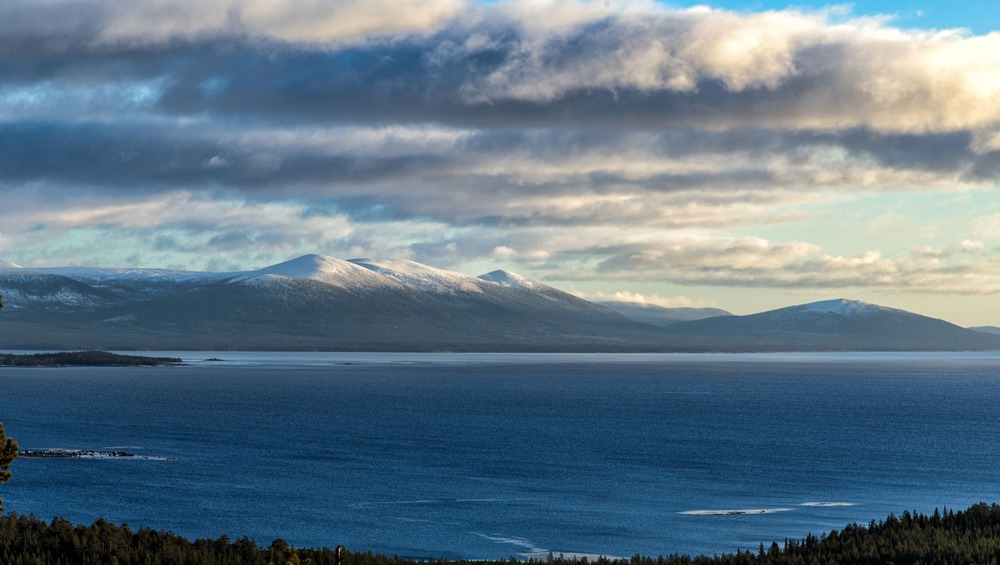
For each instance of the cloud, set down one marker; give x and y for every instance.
(503, 252)
(576, 139)
(679, 301)
(189, 230)
(102, 23)
(198, 230)
(747, 253)
(786, 69)
(757, 263)
(678, 179)
(971, 246)
(549, 64)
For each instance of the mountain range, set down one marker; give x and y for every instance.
(316, 302)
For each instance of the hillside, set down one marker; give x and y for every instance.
(309, 303)
(322, 303)
(834, 325)
(660, 315)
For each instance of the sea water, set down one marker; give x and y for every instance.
(488, 456)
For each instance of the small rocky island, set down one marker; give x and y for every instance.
(83, 359)
(87, 454)
(70, 453)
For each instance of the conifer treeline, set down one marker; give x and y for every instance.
(944, 538)
(83, 359)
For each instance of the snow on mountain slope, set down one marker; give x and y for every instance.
(335, 272)
(318, 302)
(514, 283)
(421, 277)
(125, 283)
(111, 274)
(842, 307)
(22, 288)
(840, 313)
(507, 278)
(16, 298)
(103, 274)
(845, 325)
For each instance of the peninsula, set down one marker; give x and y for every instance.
(83, 359)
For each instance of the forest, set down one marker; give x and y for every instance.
(946, 537)
(83, 358)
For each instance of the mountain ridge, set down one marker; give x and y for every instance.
(839, 324)
(660, 315)
(315, 302)
(312, 302)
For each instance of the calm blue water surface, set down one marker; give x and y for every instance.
(487, 456)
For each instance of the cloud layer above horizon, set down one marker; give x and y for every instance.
(588, 142)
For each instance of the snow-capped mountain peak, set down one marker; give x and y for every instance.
(9, 265)
(320, 268)
(507, 278)
(842, 307)
(402, 305)
(304, 267)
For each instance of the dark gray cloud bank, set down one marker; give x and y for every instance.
(574, 140)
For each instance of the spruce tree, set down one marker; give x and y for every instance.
(8, 452)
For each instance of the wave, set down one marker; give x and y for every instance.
(439, 501)
(748, 511)
(735, 512)
(120, 457)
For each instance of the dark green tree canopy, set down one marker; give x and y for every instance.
(8, 452)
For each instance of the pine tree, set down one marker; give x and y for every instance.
(8, 452)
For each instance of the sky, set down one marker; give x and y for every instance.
(745, 154)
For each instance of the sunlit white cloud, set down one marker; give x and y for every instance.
(575, 140)
(679, 301)
(762, 264)
(799, 69)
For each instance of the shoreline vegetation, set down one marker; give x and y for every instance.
(946, 537)
(83, 359)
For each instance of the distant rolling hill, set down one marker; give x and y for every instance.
(833, 325)
(322, 303)
(660, 315)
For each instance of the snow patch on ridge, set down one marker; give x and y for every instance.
(105, 275)
(507, 278)
(843, 307)
(421, 277)
(9, 265)
(336, 272)
(17, 298)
